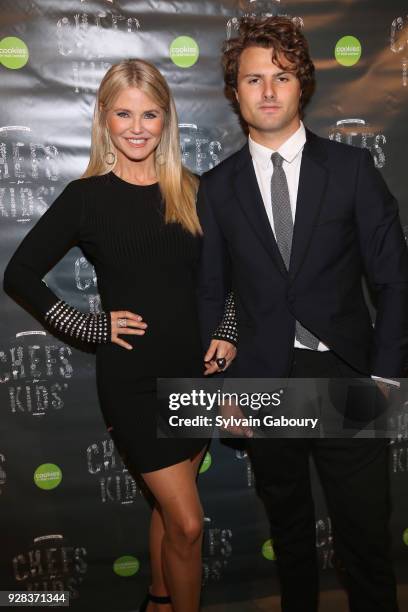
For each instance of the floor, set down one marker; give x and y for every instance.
(331, 601)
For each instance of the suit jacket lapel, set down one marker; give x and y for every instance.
(250, 199)
(312, 184)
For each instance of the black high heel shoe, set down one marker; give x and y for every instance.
(155, 599)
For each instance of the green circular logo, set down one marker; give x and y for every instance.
(184, 51)
(206, 463)
(348, 50)
(47, 476)
(13, 52)
(405, 537)
(126, 566)
(267, 550)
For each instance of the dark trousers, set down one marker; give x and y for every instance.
(355, 477)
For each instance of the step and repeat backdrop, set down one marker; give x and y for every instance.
(72, 516)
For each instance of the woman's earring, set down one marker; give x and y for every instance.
(160, 159)
(110, 158)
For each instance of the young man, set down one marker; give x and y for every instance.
(291, 222)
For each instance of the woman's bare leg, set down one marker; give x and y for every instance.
(158, 542)
(158, 586)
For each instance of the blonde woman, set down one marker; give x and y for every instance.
(133, 214)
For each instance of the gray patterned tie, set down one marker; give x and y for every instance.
(283, 222)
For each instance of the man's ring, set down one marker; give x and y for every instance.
(122, 322)
(221, 362)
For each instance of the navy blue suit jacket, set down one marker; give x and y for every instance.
(347, 225)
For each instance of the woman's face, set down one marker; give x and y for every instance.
(135, 123)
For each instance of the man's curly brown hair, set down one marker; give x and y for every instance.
(285, 40)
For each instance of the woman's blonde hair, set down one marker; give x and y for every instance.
(177, 184)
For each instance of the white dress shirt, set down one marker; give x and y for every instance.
(291, 151)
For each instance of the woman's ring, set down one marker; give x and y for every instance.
(221, 362)
(122, 322)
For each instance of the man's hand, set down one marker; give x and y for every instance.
(218, 349)
(226, 411)
(384, 388)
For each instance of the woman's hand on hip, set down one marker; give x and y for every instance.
(126, 322)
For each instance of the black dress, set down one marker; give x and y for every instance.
(142, 265)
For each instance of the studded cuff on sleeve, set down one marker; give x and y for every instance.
(227, 329)
(92, 328)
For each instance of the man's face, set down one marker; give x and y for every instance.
(268, 95)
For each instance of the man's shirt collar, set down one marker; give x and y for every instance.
(289, 149)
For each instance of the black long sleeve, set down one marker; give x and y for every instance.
(58, 230)
(55, 233)
(228, 328)
(45, 244)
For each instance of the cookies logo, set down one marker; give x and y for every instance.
(126, 566)
(184, 51)
(268, 551)
(206, 464)
(347, 51)
(13, 53)
(47, 476)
